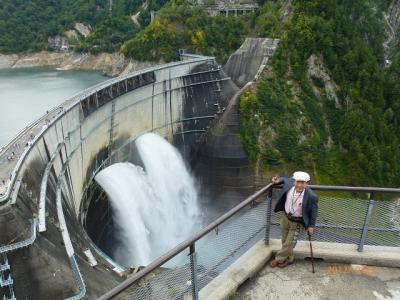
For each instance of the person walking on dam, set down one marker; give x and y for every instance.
(300, 206)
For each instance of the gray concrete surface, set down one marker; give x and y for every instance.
(330, 281)
(362, 269)
(346, 253)
(224, 285)
(247, 63)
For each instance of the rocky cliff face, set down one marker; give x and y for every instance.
(111, 64)
(318, 73)
(392, 19)
(394, 14)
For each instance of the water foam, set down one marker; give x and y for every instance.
(154, 208)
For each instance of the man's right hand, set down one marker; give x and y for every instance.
(275, 180)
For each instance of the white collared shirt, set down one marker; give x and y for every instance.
(297, 199)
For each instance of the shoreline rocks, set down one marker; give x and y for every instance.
(110, 64)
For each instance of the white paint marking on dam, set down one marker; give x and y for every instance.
(154, 209)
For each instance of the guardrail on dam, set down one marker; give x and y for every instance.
(177, 100)
(214, 260)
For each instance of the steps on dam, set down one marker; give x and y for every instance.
(5, 265)
(6, 278)
(223, 163)
(6, 281)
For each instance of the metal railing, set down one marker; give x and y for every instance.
(354, 215)
(21, 244)
(7, 282)
(43, 189)
(67, 240)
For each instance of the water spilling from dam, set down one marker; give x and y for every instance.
(155, 207)
(179, 101)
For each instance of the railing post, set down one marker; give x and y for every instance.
(366, 222)
(193, 271)
(268, 217)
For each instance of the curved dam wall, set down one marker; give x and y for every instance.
(56, 259)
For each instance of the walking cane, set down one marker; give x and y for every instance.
(312, 256)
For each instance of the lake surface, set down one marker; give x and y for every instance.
(26, 94)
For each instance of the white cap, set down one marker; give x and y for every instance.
(301, 176)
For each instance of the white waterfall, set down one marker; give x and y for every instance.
(155, 208)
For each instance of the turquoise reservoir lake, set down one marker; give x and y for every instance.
(26, 94)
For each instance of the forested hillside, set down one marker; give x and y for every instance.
(327, 104)
(180, 24)
(25, 25)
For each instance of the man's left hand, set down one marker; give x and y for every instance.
(310, 230)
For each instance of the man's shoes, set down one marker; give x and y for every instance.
(274, 263)
(285, 263)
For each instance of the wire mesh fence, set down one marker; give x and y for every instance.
(214, 252)
(384, 224)
(170, 281)
(343, 217)
(221, 247)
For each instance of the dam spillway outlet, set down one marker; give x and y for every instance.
(52, 183)
(144, 210)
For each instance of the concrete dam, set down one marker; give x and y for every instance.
(52, 214)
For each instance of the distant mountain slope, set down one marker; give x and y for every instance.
(25, 25)
(327, 104)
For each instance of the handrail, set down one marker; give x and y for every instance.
(21, 244)
(182, 246)
(78, 278)
(191, 241)
(344, 188)
(43, 189)
(67, 241)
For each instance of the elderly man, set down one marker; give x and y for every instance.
(300, 206)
